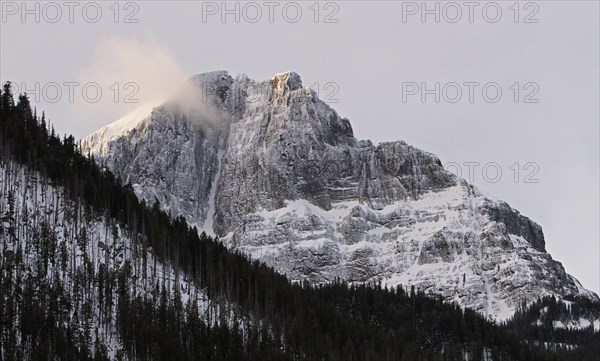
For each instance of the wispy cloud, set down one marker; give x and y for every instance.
(129, 73)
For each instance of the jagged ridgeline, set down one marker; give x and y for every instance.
(89, 272)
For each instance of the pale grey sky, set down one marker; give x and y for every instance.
(363, 56)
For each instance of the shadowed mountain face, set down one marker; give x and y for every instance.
(277, 174)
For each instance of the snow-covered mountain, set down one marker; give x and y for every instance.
(278, 174)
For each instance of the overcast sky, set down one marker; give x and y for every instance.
(371, 61)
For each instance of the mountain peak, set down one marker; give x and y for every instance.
(288, 79)
(211, 76)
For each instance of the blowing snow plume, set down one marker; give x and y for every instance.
(125, 76)
(141, 75)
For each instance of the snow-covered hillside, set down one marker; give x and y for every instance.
(58, 246)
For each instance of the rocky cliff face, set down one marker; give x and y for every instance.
(276, 173)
